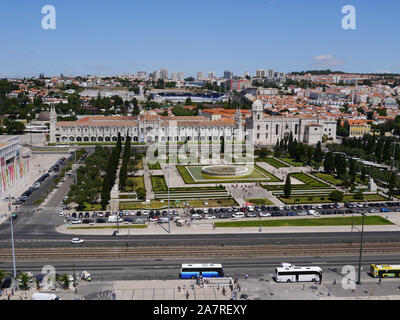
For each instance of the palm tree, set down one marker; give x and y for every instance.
(3, 274)
(64, 279)
(24, 280)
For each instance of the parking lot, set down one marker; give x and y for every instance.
(178, 215)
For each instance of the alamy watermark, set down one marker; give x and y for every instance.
(49, 20)
(349, 20)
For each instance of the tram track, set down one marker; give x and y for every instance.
(243, 251)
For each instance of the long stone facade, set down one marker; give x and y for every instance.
(262, 129)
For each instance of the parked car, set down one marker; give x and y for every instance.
(251, 215)
(265, 214)
(385, 210)
(238, 215)
(209, 216)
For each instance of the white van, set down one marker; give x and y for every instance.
(44, 296)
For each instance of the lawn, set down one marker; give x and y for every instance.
(139, 165)
(260, 202)
(314, 222)
(274, 162)
(329, 178)
(138, 183)
(91, 207)
(308, 180)
(158, 183)
(292, 162)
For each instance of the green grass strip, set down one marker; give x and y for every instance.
(314, 222)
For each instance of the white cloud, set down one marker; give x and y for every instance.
(326, 61)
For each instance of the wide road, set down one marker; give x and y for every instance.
(55, 239)
(110, 270)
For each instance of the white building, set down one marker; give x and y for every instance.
(260, 128)
(14, 167)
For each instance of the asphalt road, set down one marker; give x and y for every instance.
(111, 270)
(55, 239)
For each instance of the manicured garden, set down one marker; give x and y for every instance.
(312, 222)
(308, 180)
(133, 184)
(329, 178)
(274, 162)
(155, 166)
(193, 175)
(158, 183)
(292, 162)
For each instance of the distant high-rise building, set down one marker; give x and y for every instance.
(261, 73)
(246, 74)
(211, 75)
(141, 75)
(228, 75)
(199, 75)
(270, 73)
(180, 76)
(164, 74)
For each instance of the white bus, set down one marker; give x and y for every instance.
(291, 273)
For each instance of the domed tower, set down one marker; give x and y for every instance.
(257, 110)
(238, 118)
(53, 121)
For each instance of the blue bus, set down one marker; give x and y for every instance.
(193, 271)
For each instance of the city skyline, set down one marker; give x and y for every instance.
(286, 36)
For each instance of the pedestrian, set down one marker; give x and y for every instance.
(187, 294)
(320, 280)
(246, 276)
(380, 281)
(179, 289)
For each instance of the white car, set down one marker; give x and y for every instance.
(374, 211)
(145, 212)
(264, 214)
(77, 241)
(196, 216)
(76, 221)
(154, 219)
(238, 215)
(205, 210)
(61, 214)
(302, 213)
(208, 216)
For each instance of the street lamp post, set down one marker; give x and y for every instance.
(12, 241)
(361, 245)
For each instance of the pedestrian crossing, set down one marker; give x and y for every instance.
(34, 209)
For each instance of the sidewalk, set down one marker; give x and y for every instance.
(39, 164)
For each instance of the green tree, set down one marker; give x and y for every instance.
(288, 187)
(329, 162)
(359, 195)
(188, 102)
(336, 196)
(318, 154)
(340, 165)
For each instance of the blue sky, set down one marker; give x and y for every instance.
(110, 37)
